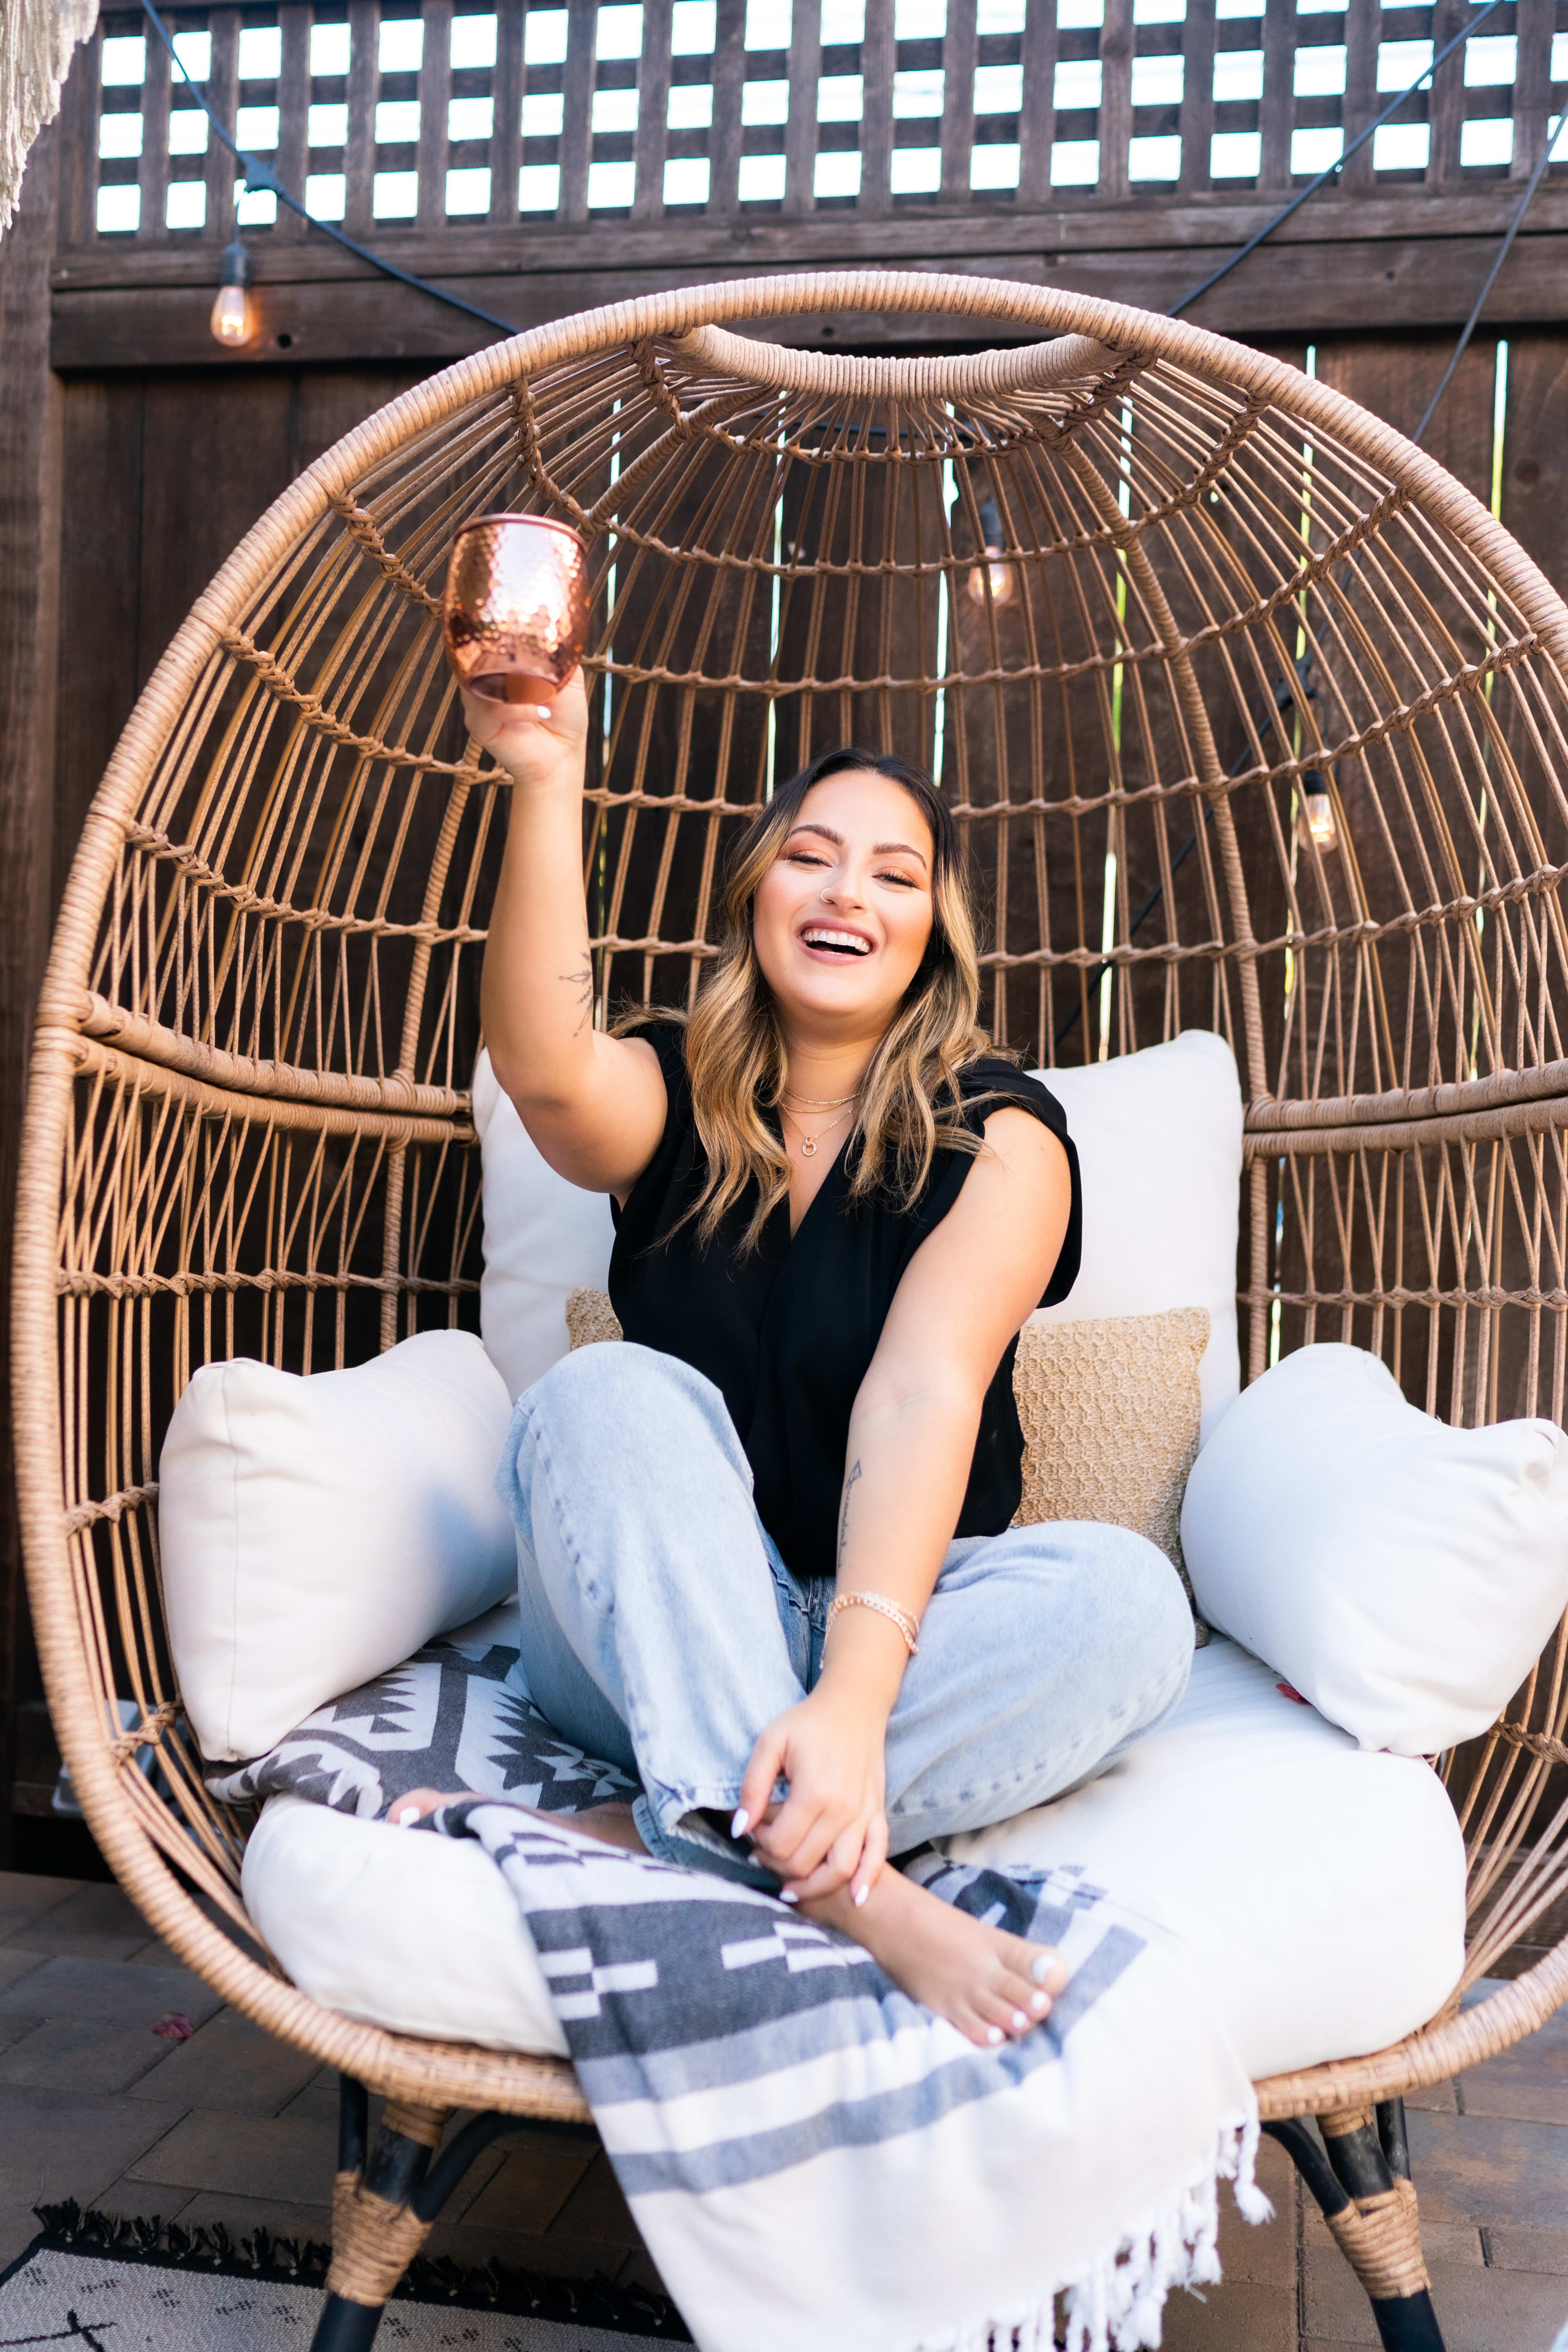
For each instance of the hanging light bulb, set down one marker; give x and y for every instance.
(995, 574)
(1317, 810)
(232, 320)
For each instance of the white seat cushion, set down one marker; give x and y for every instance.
(1320, 1888)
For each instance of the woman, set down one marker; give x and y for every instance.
(833, 1214)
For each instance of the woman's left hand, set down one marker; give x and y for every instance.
(832, 1829)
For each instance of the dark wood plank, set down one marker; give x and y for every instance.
(434, 96)
(1446, 103)
(577, 109)
(1067, 222)
(1038, 119)
(1196, 96)
(957, 101)
(506, 138)
(293, 106)
(364, 81)
(1282, 290)
(210, 468)
(1277, 111)
(1536, 21)
(101, 530)
(878, 55)
(800, 132)
(1116, 99)
(1362, 29)
(152, 175)
(221, 90)
(30, 467)
(728, 85)
(652, 115)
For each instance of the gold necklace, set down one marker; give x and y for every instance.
(806, 1102)
(809, 1143)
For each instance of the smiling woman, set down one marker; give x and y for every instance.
(766, 1555)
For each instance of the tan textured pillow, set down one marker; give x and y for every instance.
(590, 1317)
(1110, 1416)
(1109, 1410)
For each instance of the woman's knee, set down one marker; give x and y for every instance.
(1123, 1585)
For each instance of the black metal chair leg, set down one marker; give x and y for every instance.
(386, 2199)
(1360, 2176)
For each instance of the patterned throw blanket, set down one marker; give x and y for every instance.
(812, 2158)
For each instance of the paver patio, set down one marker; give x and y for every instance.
(231, 2126)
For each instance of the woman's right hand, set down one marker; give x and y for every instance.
(535, 742)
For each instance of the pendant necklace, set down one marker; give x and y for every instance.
(810, 1142)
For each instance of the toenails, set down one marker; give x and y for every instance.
(1040, 2002)
(1020, 2021)
(993, 2034)
(1043, 1967)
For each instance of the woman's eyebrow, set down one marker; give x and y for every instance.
(879, 849)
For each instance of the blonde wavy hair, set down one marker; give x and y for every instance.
(735, 1053)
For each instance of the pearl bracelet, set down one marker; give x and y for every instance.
(908, 1625)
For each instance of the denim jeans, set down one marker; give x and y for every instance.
(662, 1630)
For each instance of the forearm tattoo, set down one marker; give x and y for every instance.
(582, 980)
(844, 1516)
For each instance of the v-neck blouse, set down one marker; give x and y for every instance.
(786, 1333)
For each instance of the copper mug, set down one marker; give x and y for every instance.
(515, 615)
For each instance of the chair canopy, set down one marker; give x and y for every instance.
(1252, 721)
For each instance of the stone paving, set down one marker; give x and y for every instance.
(232, 2126)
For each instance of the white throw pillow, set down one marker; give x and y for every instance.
(1159, 1144)
(1321, 1891)
(1402, 1575)
(315, 1532)
(542, 1238)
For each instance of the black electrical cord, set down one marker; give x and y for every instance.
(258, 174)
(1515, 224)
(1337, 166)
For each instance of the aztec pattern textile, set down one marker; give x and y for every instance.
(36, 38)
(450, 1719)
(815, 2158)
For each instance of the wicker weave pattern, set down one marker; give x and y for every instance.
(248, 1130)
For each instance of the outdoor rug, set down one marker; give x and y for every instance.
(114, 2285)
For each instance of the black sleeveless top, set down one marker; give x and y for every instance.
(787, 1332)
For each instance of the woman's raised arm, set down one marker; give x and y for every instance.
(594, 1105)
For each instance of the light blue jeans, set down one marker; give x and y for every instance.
(662, 1630)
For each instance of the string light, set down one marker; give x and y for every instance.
(233, 319)
(1317, 810)
(998, 574)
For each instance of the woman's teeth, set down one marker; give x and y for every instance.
(843, 942)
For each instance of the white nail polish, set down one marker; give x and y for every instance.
(787, 1895)
(1042, 1968)
(741, 1823)
(993, 2034)
(860, 1896)
(1040, 2003)
(1020, 2021)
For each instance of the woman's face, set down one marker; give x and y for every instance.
(843, 916)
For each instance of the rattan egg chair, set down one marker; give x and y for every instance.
(1253, 720)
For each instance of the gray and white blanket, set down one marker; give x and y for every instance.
(814, 2159)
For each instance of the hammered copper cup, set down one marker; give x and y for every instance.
(515, 616)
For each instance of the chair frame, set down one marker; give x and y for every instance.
(173, 1852)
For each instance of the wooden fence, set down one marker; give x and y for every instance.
(538, 157)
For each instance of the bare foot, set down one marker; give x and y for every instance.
(988, 1984)
(611, 1824)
